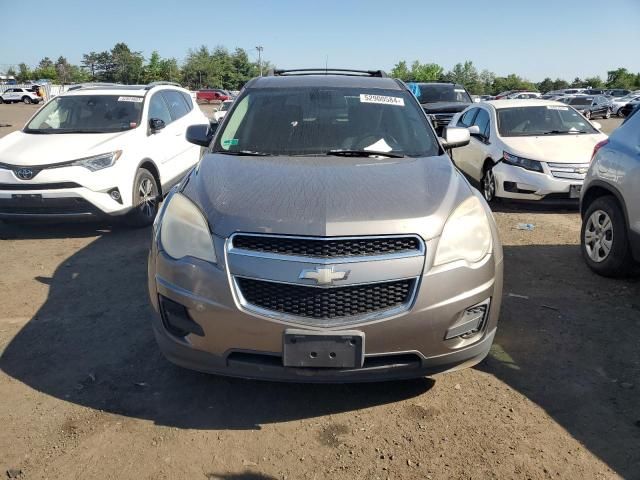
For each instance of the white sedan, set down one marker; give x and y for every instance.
(526, 149)
(222, 111)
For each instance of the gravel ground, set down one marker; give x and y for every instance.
(84, 392)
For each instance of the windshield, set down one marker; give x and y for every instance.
(88, 114)
(325, 120)
(545, 120)
(225, 106)
(442, 92)
(580, 101)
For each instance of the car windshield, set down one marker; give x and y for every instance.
(541, 120)
(325, 120)
(580, 101)
(442, 92)
(225, 106)
(88, 114)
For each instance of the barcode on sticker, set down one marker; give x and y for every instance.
(381, 99)
(130, 99)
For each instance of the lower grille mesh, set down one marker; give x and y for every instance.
(325, 303)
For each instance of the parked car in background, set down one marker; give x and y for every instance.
(618, 103)
(591, 106)
(15, 95)
(219, 114)
(618, 92)
(99, 151)
(484, 98)
(212, 95)
(526, 149)
(523, 95)
(596, 91)
(441, 101)
(298, 249)
(610, 205)
(628, 108)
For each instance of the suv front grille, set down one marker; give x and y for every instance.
(441, 119)
(329, 248)
(326, 303)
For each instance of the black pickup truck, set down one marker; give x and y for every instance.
(441, 101)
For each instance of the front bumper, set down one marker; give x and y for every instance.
(240, 343)
(518, 183)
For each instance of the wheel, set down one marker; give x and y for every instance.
(607, 114)
(587, 114)
(26, 100)
(488, 183)
(604, 243)
(1, 100)
(619, 113)
(145, 199)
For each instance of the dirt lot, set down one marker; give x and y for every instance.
(84, 392)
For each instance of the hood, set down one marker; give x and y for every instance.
(554, 148)
(326, 196)
(444, 107)
(28, 149)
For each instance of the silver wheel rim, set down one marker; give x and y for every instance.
(588, 115)
(26, 100)
(147, 197)
(489, 185)
(598, 236)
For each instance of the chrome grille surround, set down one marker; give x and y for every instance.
(569, 171)
(379, 271)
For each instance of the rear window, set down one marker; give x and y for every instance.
(442, 92)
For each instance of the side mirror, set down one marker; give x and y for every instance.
(199, 135)
(474, 130)
(455, 137)
(156, 124)
(597, 125)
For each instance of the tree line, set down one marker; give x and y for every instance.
(216, 68)
(488, 83)
(220, 68)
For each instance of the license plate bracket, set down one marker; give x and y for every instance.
(304, 348)
(574, 191)
(27, 196)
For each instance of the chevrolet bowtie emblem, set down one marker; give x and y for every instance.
(324, 275)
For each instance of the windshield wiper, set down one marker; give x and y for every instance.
(248, 153)
(563, 132)
(363, 153)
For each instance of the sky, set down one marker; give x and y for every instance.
(565, 39)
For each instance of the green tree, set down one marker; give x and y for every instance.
(426, 72)
(621, 78)
(545, 85)
(24, 73)
(559, 84)
(46, 69)
(465, 74)
(11, 72)
(152, 71)
(127, 64)
(594, 82)
(511, 82)
(401, 71)
(169, 70)
(90, 62)
(63, 70)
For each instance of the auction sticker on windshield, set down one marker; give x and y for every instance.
(556, 107)
(130, 99)
(381, 99)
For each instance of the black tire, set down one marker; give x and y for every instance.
(26, 100)
(146, 197)
(587, 114)
(488, 184)
(1, 101)
(618, 261)
(619, 113)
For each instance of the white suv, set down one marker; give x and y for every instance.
(12, 95)
(99, 150)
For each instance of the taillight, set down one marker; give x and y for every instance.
(598, 146)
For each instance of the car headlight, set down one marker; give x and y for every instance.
(466, 234)
(525, 163)
(184, 232)
(98, 162)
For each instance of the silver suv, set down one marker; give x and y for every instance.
(325, 236)
(610, 205)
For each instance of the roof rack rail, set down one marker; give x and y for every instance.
(94, 84)
(327, 71)
(149, 86)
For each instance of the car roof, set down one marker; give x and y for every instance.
(344, 81)
(133, 90)
(501, 104)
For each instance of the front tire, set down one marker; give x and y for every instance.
(488, 183)
(619, 113)
(26, 100)
(603, 238)
(587, 114)
(145, 199)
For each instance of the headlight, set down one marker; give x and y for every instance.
(184, 232)
(98, 162)
(525, 163)
(466, 235)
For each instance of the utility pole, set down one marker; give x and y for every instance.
(260, 48)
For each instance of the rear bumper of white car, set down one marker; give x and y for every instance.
(518, 183)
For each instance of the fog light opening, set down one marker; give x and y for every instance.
(176, 319)
(471, 323)
(114, 193)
